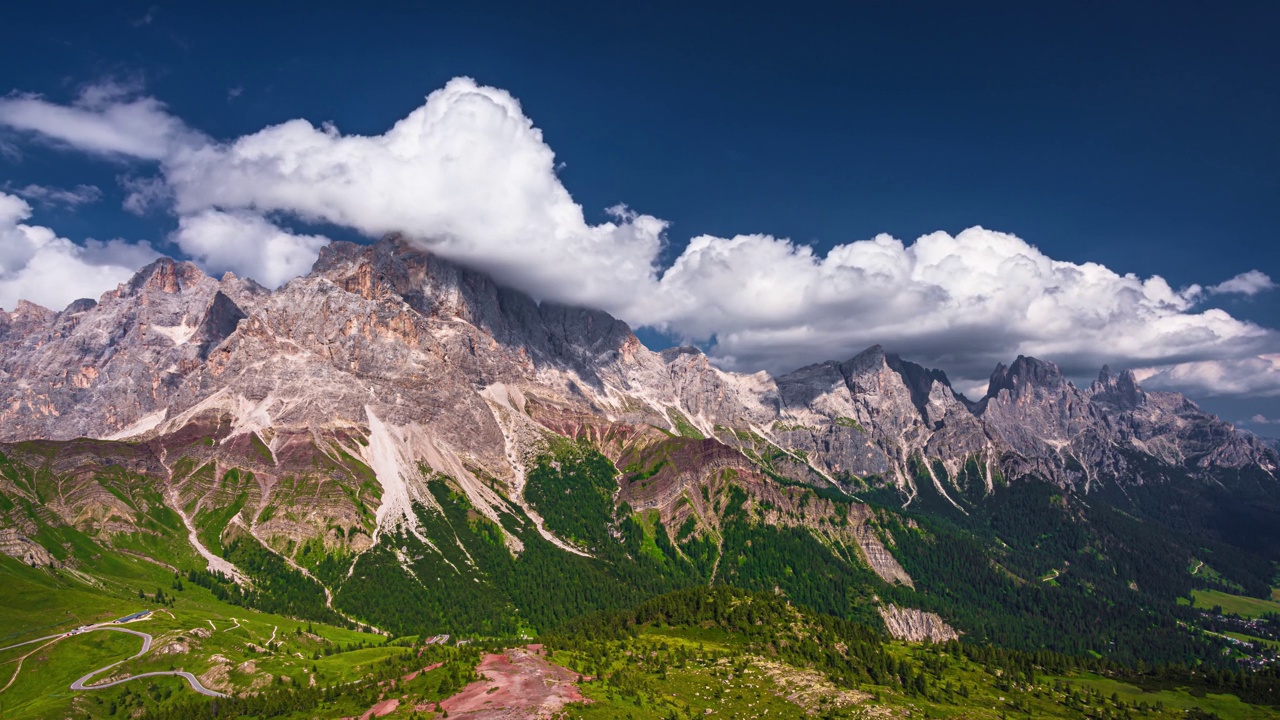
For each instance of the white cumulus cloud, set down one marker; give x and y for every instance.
(1250, 376)
(1246, 283)
(38, 266)
(963, 302)
(470, 177)
(247, 245)
(105, 119)
(466, 174)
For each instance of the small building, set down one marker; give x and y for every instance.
(135, 616)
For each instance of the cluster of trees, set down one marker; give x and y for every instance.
(159, 597)
(277, 588)
(1035, 567)
(762, 557)
(572, 488)
(764, 622)
(854, 655)
(1117, 574)
(132, 700)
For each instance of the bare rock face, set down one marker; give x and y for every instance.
(94, 369)
(26, 550)
(1173, 429)
(1077, 437)
(877, 555)
(877, 415)
(915, 625)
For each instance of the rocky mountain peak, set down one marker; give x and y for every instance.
(1024, 374)
(672, 354)
(27, 312)
(1119, 390)
(219, 321)
(919, 380)
(165, 275)
(78, 306)
(866, 363)
(380, 271)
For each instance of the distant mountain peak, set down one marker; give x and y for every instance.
(1025, 373)
(1121, 390)
(165, 275)
(671, 354)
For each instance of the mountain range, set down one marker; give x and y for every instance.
(396, 441)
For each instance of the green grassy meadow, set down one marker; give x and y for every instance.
(196, 633)
(1241, 605)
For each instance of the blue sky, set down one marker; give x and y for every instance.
(1140, 138)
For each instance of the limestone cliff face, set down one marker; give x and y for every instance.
(16, 543)
(390, 363)
(916, 625)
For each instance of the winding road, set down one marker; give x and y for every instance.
(146, 645)
(29, 642)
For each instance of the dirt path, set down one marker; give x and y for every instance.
(18, 668)
(517, 683)
(715, 567)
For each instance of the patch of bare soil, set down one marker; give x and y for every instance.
(517, 685)
(386, 707)
(808, 688)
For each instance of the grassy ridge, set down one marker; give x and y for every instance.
(194, 632)
(1247, 607)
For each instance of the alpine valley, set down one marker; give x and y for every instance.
(309, 488)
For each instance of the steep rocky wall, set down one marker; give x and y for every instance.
(916, 625)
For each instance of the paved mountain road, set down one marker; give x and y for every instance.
(146, 645)
(28, 642)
